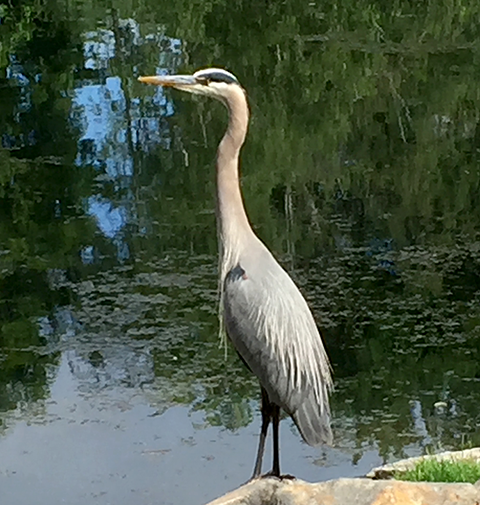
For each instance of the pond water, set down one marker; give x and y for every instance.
(361, 172)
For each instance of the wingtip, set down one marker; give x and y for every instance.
(313, 423)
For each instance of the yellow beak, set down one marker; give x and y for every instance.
(169, 80)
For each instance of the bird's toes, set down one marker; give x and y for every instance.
(287, 476)
(275, 475)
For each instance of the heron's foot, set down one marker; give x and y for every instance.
(268, 475)
(275, 475)
(271, 475)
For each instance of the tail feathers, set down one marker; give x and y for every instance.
(313, 422)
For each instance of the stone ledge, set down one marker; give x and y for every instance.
(271, 491)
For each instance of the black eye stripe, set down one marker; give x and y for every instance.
(216, 77)
(219, 77)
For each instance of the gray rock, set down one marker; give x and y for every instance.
(270, 491)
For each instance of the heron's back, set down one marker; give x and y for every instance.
(272, 328)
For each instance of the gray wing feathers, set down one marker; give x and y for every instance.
(313, 422)
(272, 328)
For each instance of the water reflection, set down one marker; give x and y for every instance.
(113, 126)
(360, 172)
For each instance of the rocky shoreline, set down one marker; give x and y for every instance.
(377, 488)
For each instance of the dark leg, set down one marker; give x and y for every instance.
(266, 416)
(276, 448)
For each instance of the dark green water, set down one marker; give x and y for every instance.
(361, 172)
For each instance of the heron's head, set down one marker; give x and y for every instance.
(214, 82)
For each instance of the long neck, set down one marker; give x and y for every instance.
(232, 221)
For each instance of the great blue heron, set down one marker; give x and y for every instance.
(265, 315)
